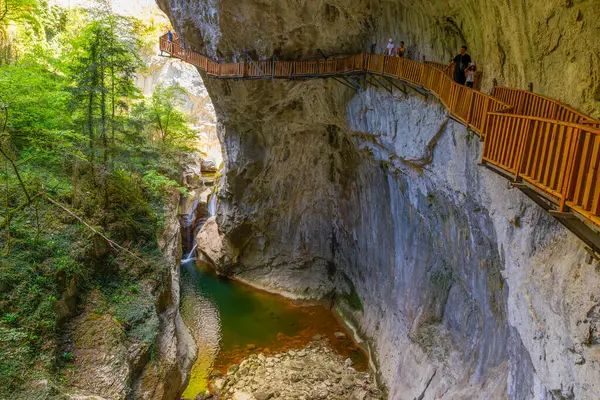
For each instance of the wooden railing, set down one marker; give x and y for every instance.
(561, 159)
(549, 145)
(535, 105)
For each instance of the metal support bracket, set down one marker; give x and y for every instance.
(390, 89)
(403, 90)
(367, 81)
(251, 61)
(344, 83)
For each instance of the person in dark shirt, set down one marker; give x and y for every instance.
(170, 36)
(461, 64)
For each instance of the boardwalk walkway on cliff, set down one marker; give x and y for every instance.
(548, 150)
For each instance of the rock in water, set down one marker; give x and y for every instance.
(340, 335)
(219, 384)
(232, 369)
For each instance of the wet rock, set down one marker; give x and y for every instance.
(232, 369)
(219, 384)
(215, 374)
(340, 335)
(316, 338)
(204, 396)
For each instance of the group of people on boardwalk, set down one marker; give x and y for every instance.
(464, 68)
(392, 50)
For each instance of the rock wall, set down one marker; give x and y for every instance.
(166, 377)
(463, 287)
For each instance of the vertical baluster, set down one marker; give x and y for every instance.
(569, 181)
(523, 149)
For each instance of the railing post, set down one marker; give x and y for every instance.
(273, 68)
(486, 110)
(470, 113)
(571, 160)
(521, 153)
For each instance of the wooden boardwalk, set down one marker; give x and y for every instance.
(549, 150)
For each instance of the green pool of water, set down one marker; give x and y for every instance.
(231, 320)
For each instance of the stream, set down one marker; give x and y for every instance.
(231, 320)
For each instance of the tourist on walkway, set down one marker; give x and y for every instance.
(461, 63)
(401, 51)
(389, 51)
(471, 75)
(170, 36)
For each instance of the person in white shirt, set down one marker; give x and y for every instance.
(471, 74)
(389, 50)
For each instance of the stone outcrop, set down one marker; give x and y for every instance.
(315, 372)
(463, 287)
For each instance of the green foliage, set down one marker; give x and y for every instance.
(166, 124)
(136, 311)
(77, 133)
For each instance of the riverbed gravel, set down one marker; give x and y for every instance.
(315, 372)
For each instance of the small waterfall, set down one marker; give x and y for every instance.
(212, 205)
(190, 256)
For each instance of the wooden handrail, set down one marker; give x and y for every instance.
(549, 145)
(533, 104)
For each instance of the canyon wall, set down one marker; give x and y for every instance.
(462, 286)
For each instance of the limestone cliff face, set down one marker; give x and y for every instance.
(467, 290)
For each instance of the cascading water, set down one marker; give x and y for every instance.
(190, 256)
(212, 205)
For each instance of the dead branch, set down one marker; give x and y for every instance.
(111, 243)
